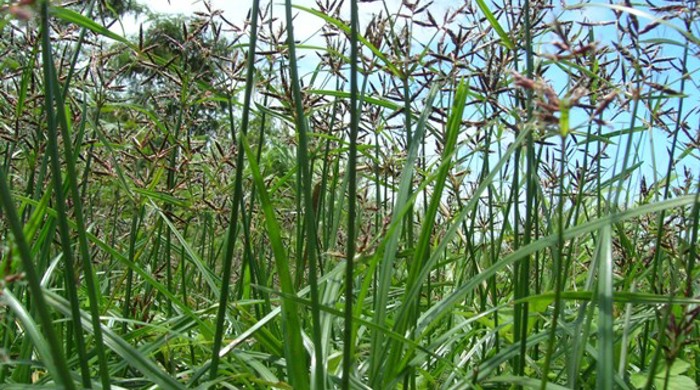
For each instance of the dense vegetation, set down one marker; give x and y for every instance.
(487, 195)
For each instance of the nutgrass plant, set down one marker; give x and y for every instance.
(487, 195)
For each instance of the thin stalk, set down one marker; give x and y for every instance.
(693, 250)
(558, 254)
(669, 168)
(94, 296)
(309, 215)
(133, 235)
(522, 276)
(352, 198)
(238, 189)
(660, 223)
(66, 239)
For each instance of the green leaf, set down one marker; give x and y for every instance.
(162, 197)
(681, 382)
(212, 280)
(505, 39)
(342, 26)
(71, 16)
(679, 367)
(638, 380)
(676, 381)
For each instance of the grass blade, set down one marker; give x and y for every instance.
(293, 347)
(606, 337)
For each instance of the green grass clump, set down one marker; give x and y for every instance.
(477, 195)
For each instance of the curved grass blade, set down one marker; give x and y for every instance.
(293, 347)
(505, 39)
(209, 276)
(63, 377)
(409, 310)
(342, 26)
(135, 358)
(391, 241)
(147, 277)
(525, 382)
(70, 16)
(442, 308)
(43, 348)
(636, 12)
(622, 297)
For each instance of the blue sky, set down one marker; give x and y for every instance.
(652, 141)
